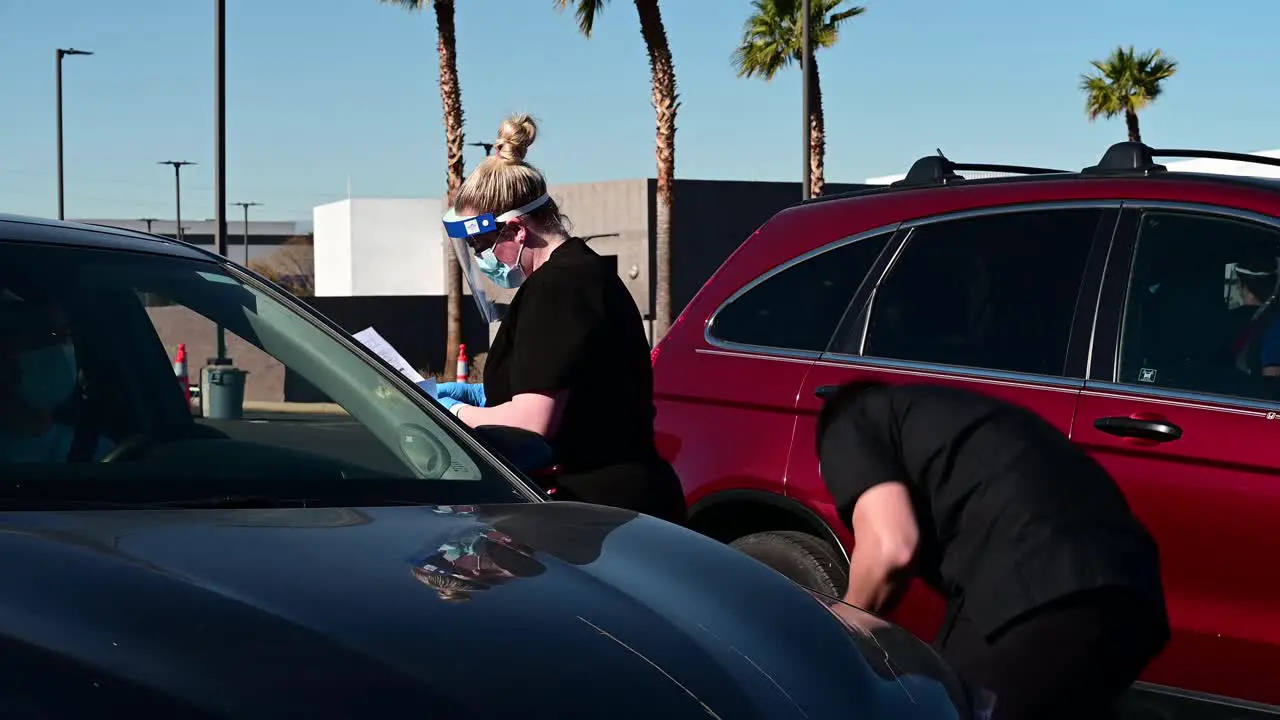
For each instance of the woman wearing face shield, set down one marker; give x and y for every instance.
(571, 358)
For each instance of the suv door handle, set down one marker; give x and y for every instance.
(1150, 429)
(825, 391)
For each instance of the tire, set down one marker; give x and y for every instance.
(801, 557)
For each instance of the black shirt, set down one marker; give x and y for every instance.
(1012, 515)
(574, 326)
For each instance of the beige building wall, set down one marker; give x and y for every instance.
(603, 208)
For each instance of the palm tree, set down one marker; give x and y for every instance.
(773, 39)
(662, 71)
(1125, 83)
(451, 98)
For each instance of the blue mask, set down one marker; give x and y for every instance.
(49, 376)
(502, 275)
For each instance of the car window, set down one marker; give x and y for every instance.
(86, 342)
(798, 307)
(1200, 312)
(996, 292)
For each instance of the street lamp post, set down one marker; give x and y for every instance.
(177, 194)
(148, 221)
(488, 147)
(246, 206)
(61, 53)
(220, 151)
(806, 65)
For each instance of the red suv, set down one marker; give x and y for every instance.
(1121, 302)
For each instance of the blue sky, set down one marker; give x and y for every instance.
(347, 90)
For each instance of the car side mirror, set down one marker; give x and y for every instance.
(525, 449)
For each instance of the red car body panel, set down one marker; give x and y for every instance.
(732, 419)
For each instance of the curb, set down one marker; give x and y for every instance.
(291, 407)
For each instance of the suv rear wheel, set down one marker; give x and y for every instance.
(801, 557)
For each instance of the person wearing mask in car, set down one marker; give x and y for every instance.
(571, 358)
(1055, 600)
(1256, 346)
(38, 377)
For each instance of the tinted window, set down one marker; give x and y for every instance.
(1200, 313)
(995, 292)
(799, 307)
(86, 338)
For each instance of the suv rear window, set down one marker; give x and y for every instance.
(996, 292)
(799, 306)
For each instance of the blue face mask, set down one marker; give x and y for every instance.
(502, 275)
(49, 376)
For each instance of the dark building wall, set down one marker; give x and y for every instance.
(414, 325)
(712, 218)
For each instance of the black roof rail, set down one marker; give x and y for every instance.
(938, 170)
(1135, 157)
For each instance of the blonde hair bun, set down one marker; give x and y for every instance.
(515, 136)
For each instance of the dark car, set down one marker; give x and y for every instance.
(1112, 301)
(381, 560)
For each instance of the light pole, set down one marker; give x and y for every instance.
(62, 52)
(177, 193)
(148, 221)
(220, 151)
(488, 147)
(246, 206)
(806, 64)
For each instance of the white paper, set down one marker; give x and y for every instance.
(383, 349)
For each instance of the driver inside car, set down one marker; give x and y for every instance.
(39, 376)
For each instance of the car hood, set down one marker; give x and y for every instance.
(546, 610)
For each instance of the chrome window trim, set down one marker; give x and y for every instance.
(1035, 206)
(959, 372)
(1102, 281)
(889, 229)
(1186, 398)
(978, 373)
(865, 311)
(1204, 698)
(1203, 400)
(1222, 210)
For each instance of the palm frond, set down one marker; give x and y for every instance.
(410, 5)
(773, 34)
(1126, 81)
(585, 11)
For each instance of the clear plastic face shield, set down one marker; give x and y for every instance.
(474, 239)
(1257, 278)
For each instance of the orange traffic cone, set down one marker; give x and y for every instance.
(180, 370)
(462, 362)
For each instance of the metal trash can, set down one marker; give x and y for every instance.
(226, 393)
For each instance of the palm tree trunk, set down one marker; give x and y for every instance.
(817, 133)
(451, 99)
(1131, 120)
(665, 103)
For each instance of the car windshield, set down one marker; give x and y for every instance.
(90, 402)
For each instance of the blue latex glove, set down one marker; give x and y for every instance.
(469, 393)
(449, 402)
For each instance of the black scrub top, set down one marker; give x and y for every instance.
(1012, 515)
(574, 326)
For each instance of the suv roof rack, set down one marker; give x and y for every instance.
(1135, 157)
(938, 170)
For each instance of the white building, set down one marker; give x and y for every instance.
(1227, 167)
(1196, 165)
(379, 246)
